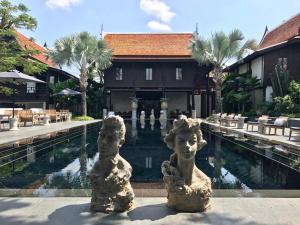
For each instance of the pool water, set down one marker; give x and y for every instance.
(63, 160)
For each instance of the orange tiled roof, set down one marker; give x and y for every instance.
(150, 45)
(283, 32)
(25, 42)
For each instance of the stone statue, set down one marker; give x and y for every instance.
(142, 119)
(111, 189)
(189, 189)
(163, 119)
(152, 119)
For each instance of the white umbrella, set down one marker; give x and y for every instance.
(68, 92)
(15, 76)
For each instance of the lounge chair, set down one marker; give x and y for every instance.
(222, 118)
(27, 116)
(54, 116)
(256, 122)
(64, 114)
(295, 129)
(280, 123)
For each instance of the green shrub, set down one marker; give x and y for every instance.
(82, 118)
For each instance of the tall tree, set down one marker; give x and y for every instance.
(12, 56)
(217, 51)
(87, 54)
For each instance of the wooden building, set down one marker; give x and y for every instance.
(155, 66)
(280, 45)
(36, 95)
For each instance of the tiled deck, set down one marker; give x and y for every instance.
(7, 136)
(148, 211)
(278, 139)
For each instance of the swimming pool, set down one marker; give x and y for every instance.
(63, 160)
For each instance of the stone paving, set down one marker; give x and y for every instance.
(148, 211)
(7, 136)
(278, 139)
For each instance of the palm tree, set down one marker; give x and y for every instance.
(217, 51)
(84, 52)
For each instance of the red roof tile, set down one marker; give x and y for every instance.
(150, 45)
(283, 32)
(25, 42)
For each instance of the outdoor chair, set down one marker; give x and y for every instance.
(256, 122)
(64, 114)
(27, 116)
(295, 129)
(232, 119)
(4, 117)
(223, 118)
(280, 123)
(54, 116)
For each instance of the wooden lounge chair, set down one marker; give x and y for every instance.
(54, 116)
(295, 129)
(64, 114)
(222, 119)
(256, 122)
(27, 116)
(233, 119)
(280, 123)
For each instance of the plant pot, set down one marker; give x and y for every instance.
(13, 124)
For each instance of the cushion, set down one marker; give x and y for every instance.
(279, 122)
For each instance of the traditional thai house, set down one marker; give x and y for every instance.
(153, 67)
(36, 95)
(280, 45)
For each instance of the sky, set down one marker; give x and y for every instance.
(59, 18)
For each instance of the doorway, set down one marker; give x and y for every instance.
(149, 100)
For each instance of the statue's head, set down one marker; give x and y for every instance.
(112, 135)
(185, 138)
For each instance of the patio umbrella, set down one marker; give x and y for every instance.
(68, 92)
(15, 76)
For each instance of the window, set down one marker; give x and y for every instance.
(148, 73)
(51, 79)
(119, 73)
(178, 73)
(31, 87)
(283, 62)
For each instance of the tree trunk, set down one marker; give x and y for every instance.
(218, 98)
(83, 103)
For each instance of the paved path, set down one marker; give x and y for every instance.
(274, 139)
(32, 131)
(148, 211)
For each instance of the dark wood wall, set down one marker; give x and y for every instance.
(42, 93)
(292, 53)
(163, 75)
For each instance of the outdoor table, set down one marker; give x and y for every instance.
(261, 122)
(241, 122)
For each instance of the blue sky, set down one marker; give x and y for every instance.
(58, 18)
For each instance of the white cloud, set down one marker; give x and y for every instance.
(158, 9)
(157, 26)
(62, 4)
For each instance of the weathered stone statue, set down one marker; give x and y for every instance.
(189, 189)
(142, 119)
(163, 119)
(111, 190)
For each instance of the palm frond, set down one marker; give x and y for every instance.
(248, 45)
